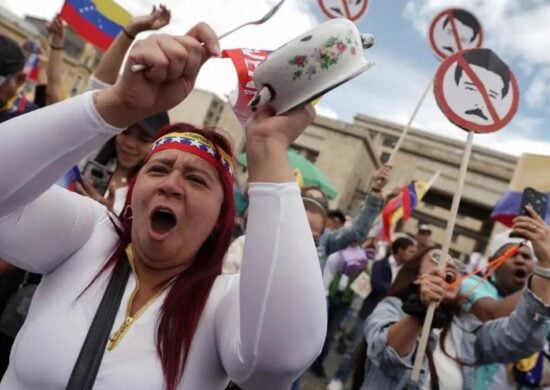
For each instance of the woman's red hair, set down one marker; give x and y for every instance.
(184, 303)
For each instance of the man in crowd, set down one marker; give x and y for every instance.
(383, 274)
(497, 297)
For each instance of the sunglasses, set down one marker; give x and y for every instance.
(437, 255)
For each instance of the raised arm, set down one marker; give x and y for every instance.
(524, 331)
(273, 327)
(54, 71)
(343, 237)
(108, 68)
(39, 147)
(488, 308)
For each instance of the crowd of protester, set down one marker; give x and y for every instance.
(246, 286)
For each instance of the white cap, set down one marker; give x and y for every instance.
(502, 239)
(424, 228)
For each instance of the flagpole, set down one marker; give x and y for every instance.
(432, 180)
(444, 254)
(408, 125)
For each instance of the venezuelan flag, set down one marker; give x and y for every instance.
(97, 21)
(531, 171)
(401, 206)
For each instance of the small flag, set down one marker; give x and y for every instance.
(19, 103)
(70, 179)
(245, 62)
(96, 21)
(401, 206)
(31, 67)
(531, 171)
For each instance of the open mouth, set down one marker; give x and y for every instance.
(163, 220)
(450, 277)
(520, 274)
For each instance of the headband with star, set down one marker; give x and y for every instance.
(198, 145)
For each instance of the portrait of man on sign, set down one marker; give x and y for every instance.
(468, 29)
(465, 96)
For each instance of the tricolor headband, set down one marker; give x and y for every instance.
(198, 145)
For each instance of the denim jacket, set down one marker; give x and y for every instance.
(335, 240)
(503, 340)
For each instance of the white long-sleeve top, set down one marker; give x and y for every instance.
(261, 329)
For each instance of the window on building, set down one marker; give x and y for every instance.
(384, 157)
(389, 142)
(309, 154)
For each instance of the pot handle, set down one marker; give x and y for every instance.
(367, 40)
(261, 97)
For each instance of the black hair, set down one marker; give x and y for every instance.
(466, 18)
(487, 59)
(12, 59)
(401, 243)
(108, 153)
(337, 214)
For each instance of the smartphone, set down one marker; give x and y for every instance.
(537, 200)
(98, 175)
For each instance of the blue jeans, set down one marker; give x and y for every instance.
(337, 311)
(346, 362)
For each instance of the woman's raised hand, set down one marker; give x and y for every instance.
(268, 137)
(172, 65)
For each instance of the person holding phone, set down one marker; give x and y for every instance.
(459, 344)
(119, 160)
(180, 324)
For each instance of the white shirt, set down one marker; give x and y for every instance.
(261, 328)
(394, 267)
(448, 370)
(233, 260)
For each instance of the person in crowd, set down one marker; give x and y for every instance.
(315, 192)
(423, 237)
(335, 219)
(340, 271)
(12, 77)
(462, 344)
(316, 216)
(180, 323)
(123, 154)
(334, 240)
(383, 274)
(497, 297)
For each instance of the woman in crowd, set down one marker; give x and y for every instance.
(179, 324)
(464, 344)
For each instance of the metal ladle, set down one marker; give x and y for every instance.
(265, 18)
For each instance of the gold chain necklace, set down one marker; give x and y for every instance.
(115, 338)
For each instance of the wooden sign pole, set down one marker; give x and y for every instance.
(407, 127)
(444, 254)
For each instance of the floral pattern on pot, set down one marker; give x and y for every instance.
(324, 57)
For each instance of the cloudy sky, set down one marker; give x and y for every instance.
(517, 30)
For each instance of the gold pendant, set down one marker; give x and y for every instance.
(117, 336)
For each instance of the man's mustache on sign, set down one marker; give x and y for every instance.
(477, 112)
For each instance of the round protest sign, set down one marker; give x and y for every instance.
(349, 9)
(454, 29)
(476, 90)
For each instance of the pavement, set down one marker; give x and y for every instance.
(311, 382)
